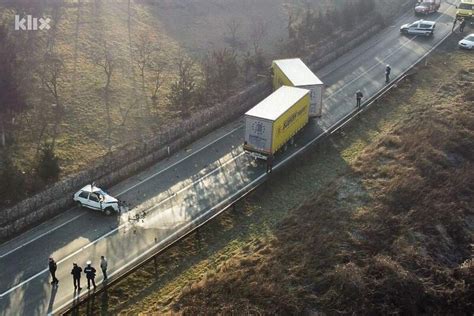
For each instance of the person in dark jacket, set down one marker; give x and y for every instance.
(76, 276)
(90, 274)
(359, 97)
(462, 25)
(52, 269)
(269, 163)
(387, 73)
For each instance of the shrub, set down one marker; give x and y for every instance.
(48, 165)
(12, 184)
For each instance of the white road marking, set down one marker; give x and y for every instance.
(123, 192)
(178, 162)
(121, 226)
(39, 236)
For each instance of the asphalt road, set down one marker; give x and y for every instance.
(174, 194)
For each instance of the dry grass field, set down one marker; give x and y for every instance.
(394, 234)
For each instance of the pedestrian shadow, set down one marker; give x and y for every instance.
(54, 290)
(75, 303)
(90, 303)
(104, 301)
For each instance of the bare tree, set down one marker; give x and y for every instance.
(56, 15)
(183, 90)
(258, 31)
(50, 74)
(76, 45)
(233, 27)
(220, 72)
(11, 93)
(146, 51)
(157, 82)
(106, 61)
(290, 25)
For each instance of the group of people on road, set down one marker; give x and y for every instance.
(76, 272)
(462, 24)
(359, 95)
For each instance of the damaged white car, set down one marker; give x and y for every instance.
(95, 198)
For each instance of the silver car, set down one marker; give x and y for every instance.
(467, 42)
(420, 27)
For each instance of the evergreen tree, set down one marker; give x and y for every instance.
(48, 165)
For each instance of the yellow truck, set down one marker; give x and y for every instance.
(275, 120)
(465, 9)
(293, 72)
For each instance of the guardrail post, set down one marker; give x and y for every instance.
(155, 264)
(198, 238)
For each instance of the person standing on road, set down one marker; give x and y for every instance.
(359, 97)
(52, 269)
(269, 163)
(454, 24)
(90, 274)
(103, 266)
(462, 25)
(387, 73)
(76, 276)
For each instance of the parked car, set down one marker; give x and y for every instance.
(420, 27)
(467, 42)
(427, 7)
(95, 198)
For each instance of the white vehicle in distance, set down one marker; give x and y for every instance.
(467, 42)
(420, 27)
(95, 198)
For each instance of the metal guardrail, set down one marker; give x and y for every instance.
(254, 185)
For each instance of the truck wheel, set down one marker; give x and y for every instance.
(108, 211)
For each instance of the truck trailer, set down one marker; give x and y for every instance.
(275, 120)
(293, 72)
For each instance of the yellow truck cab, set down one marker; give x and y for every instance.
(465, 9)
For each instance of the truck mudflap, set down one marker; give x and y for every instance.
(255, 154)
